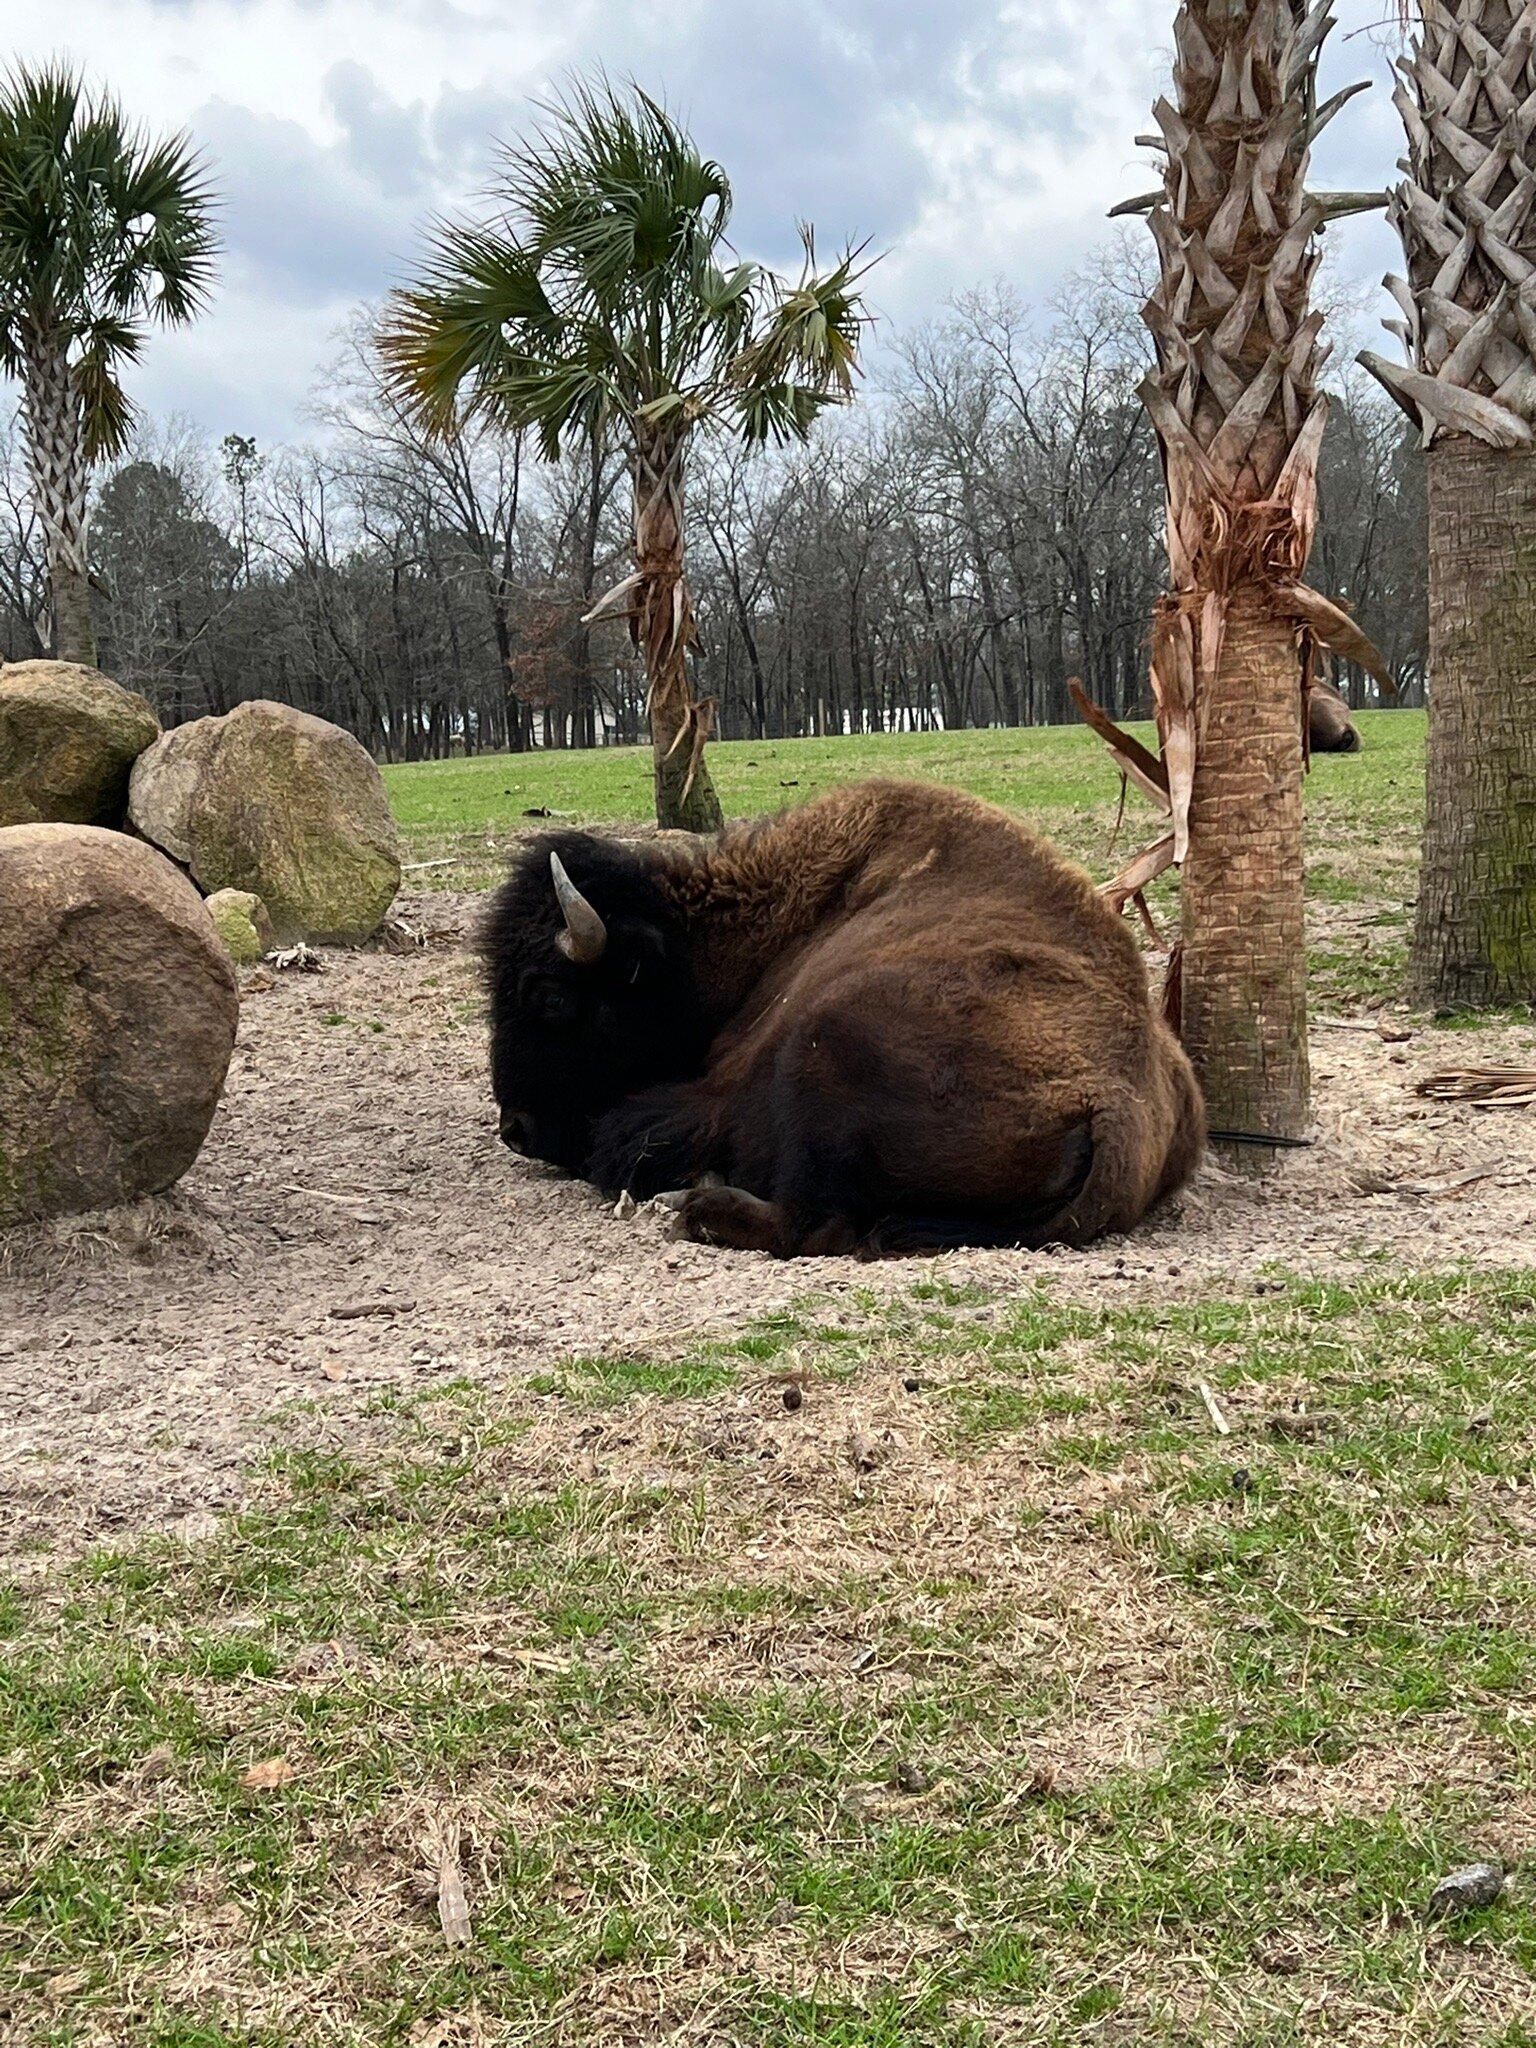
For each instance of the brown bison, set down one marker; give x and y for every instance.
(1332, 729)
(893, 1020)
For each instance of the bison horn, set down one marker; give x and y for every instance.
(585, 934)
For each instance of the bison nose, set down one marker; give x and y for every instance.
(517, 1132)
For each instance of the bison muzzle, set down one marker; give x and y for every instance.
(893, 1020)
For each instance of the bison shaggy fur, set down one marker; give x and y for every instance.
(891, 1020)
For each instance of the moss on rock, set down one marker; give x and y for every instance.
(241, 921)
(69, 737)
(285, 806)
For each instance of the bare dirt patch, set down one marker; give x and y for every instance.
(353, 1229)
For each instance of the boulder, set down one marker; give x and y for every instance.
(286, 806)
(68, 738)
(118, 1009)
(241, 921)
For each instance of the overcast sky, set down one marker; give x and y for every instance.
(972, 139)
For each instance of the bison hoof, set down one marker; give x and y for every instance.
(728, 1217)
(673, 1199)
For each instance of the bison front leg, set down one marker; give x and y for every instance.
(653, 1142)
(730, 1218)
(739, 1222)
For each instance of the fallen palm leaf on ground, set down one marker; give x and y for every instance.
(1487, 1087)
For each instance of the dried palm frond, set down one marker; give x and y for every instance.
(1486, 1087)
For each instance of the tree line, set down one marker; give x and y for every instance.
(987, 525)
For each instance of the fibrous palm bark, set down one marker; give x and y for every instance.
(1240, 418)
(53, 424)
(1466, 213)
(662, 622)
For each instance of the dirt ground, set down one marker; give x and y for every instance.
(353, 1227)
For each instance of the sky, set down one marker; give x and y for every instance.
(971, 140)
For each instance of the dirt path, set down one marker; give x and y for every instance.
(354, 1227)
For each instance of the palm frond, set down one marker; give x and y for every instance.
(605, 287)
(107, 412)
(94, 217)
(812, 334)
(480, 335)
(780, 413)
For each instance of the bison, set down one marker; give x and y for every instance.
(1331, 728)
(893, 1020)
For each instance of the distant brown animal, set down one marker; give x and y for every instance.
(890, 1021)
(1330, 723)
(1333, 730)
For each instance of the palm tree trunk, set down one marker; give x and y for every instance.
(1244, 960)
(1236, 405)
(74, 632)
(54, 432)
(663, 627)
(1474, 941)
(1466, 213)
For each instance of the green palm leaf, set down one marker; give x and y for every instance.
(103, 233)
(600, 290)
(605, 295)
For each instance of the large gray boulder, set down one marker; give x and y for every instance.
(286, 806)
(68, 738)
(118, 1009)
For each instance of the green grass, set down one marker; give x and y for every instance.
(1188, 1725)
(1060, 777)
(1364, 815)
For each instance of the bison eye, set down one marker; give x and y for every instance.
(547, 999)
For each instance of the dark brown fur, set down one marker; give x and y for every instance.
(1332, 729)
(891, 1020)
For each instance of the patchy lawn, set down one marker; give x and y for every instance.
(903, 1671)
(1365, 809)
(1112, 1647)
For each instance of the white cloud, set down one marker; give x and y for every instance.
(972, 139)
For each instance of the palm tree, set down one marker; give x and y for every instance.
(602, 296)
(102, 233)
(1466, 213)
(1239, 416)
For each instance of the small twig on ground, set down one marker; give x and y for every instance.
(300, 957)
(1213, 1409)
(442, 1847)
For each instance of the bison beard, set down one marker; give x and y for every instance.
(890, 1021)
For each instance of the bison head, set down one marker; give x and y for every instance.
(592, 992)
(1332, 730)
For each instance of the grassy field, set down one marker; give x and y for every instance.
(979, 1692)
(947, 1669)
(1060, 777)
(1364, 815)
